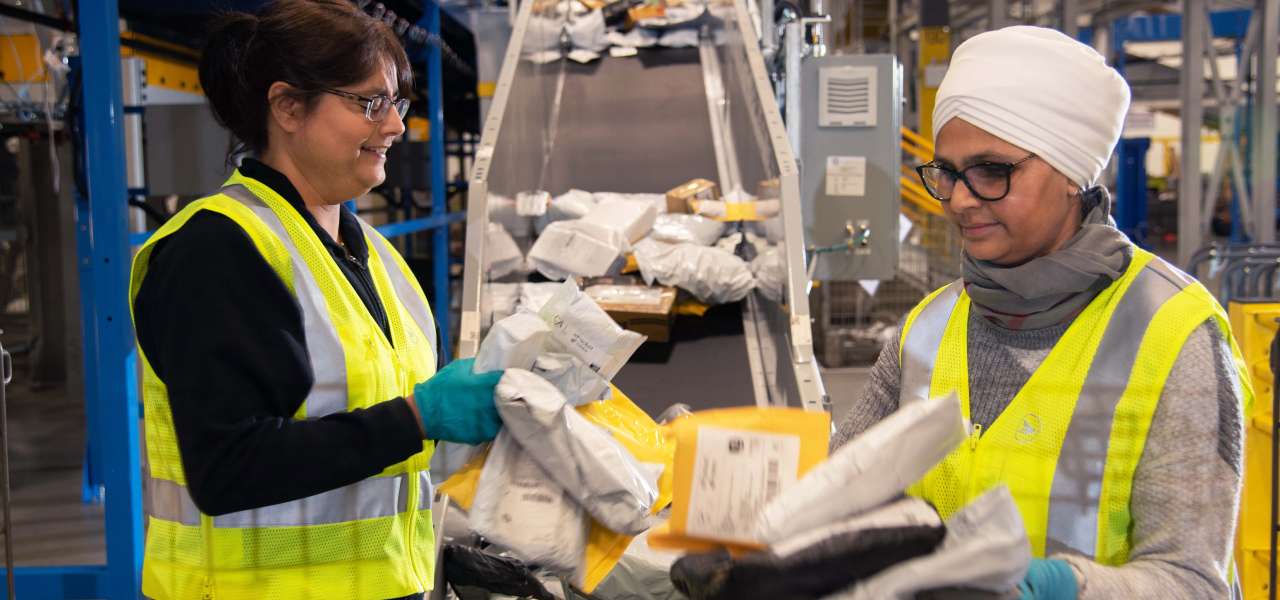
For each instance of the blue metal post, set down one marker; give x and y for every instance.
(1131, 188)
(109, 334)
(439, 206)
(91, 489)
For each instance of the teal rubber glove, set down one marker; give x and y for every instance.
(1049, 579)
(456, 405)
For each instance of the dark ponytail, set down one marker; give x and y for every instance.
(309, 44)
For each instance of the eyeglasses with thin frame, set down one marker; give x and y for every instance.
(989, 181)
(377, 107)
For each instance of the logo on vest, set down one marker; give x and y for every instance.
(1029, 430)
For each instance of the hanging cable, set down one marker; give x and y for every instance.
(157, 215)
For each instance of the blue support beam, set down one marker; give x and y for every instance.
(433, 222)
(59, 583)
(1168, 27)
(440, 236)
(1131, 189)
(110, 360)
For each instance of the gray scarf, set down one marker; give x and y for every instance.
(1051, 290)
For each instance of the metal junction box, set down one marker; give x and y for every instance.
(850, 157)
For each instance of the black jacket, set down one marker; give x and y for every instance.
(225, 336)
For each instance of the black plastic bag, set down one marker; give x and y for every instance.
(825, 567)
(467, 566)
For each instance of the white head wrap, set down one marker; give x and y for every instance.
(1040, 90)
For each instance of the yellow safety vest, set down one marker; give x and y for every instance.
(1068, 444)
(369, 540)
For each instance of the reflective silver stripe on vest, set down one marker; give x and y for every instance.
(366, 499)
(328, 393)
(170, 501)
(426, 495)
(1077, 479)
(920, 348)
(404, 290)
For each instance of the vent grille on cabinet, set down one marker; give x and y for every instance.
(847, 97)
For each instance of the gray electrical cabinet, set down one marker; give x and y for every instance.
(850, 157)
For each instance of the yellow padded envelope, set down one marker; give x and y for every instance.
(729, 463)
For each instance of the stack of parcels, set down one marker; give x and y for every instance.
(584, 234)
(577, 468)
(842, 530)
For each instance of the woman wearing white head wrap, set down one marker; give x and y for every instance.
(1102, 383)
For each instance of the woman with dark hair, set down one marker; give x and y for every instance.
(289, 354)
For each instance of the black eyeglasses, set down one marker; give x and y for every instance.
(987, 180)
(377, 107)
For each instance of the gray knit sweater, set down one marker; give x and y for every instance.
(1187, 485)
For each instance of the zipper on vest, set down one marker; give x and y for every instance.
(974, 436)
(376, 310)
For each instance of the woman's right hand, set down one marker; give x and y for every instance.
(456, 404)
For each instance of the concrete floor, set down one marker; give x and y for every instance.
(46, 448)
(845, 386)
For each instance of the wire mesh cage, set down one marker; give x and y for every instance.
(853, 320)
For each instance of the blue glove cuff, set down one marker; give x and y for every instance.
(1050, 579)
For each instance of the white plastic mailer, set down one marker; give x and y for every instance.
(711, 274)
(512, 343)
(519, 507)
(534, 295)
(523, 341)
(568, 248)
(581, 457)
(770, 270)
(588, 32)
(870, 470)
(581, 328)
(573, 204)
(574, 378)
(986, 549)
(658, 201)
(678, 228)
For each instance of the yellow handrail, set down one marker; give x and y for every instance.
(914, 193)
(917, 139)
(923, 155)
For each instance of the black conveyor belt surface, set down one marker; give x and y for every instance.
(705, 366)
(636, 124)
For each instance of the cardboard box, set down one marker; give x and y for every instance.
(643, 309)
(680, 197)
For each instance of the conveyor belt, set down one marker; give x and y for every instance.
(640, 124)
(705, 366)
(633, 125)
(644, 124)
